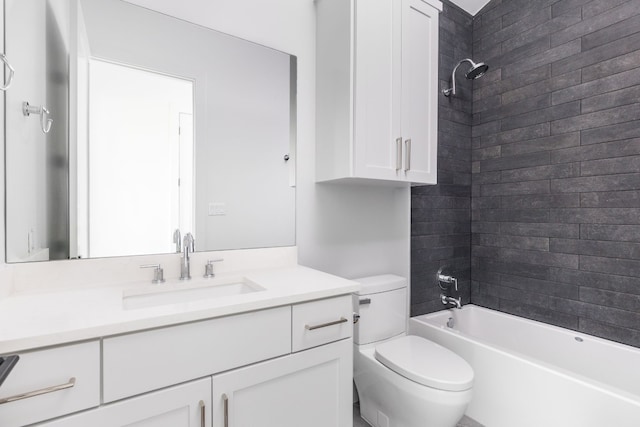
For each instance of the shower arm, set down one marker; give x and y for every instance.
(452, 89)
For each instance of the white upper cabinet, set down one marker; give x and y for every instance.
(377, 90)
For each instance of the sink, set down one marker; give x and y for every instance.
(177, 293)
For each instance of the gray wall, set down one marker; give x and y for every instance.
(440, 214)
(556, 164)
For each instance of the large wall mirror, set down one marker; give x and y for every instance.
(126, 127)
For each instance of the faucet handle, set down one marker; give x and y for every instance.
(208, 268)
(158, 273)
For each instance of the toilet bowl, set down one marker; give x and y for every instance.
(403, 380)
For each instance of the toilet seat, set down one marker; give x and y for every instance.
(426, 363)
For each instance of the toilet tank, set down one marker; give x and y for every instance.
(382, 306)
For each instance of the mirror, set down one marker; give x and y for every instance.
(124, 125)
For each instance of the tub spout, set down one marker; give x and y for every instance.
(450, 300)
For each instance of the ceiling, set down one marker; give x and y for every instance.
(471, 6)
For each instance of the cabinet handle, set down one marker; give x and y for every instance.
(203, 414)
(225, 403)
(69, 384)
(398, 154)
(407, 153)
(324, 325)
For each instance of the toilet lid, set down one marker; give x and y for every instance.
(426, 362)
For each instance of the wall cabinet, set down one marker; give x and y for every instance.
(377, 90)
(278, 367)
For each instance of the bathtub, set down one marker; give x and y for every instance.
(529, 374)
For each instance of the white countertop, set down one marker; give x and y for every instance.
(39, 319)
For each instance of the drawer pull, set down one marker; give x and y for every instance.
(324, 325)
(69, 384)
(203, 414)
(225, 401)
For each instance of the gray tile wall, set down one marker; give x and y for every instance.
(440, 214)
(556, 163)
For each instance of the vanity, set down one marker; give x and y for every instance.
(274, 349)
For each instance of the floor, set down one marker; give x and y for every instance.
(359, 422)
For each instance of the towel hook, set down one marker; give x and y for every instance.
(9, 80)
(45, 123)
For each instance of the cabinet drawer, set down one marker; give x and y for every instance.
(144, 361)
(320, 322)
(71, 374)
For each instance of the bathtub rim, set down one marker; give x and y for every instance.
(546, 366)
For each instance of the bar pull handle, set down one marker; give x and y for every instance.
(398, 154)
(9, 80)
(68, 384)
(324, 325)
(407, 154)
(203, 414)
(225, 404)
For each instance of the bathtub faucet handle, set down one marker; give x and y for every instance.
(446, 278)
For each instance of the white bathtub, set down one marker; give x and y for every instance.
(529, 374)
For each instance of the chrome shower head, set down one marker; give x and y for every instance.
(475, 72)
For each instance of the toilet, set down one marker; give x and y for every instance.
(403, 380)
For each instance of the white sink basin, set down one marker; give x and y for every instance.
(177, 293)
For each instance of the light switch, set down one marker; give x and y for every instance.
(217, 209)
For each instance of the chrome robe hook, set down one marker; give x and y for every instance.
(9, 79)
(45, 122)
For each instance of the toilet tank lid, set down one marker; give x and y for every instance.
(381, 283)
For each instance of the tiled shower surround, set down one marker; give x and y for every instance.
(555, 166)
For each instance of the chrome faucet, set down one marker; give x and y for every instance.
(450, 300)
(188, 245)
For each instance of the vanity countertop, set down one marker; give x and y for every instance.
(39, 319)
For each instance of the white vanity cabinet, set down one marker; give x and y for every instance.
(51, 382)
(186, 405)
(276, 367)
(377, 90)
(311, 389)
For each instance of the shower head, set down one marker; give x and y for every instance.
(475, 72)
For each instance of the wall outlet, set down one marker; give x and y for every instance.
(217, 209)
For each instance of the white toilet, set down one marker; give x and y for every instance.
(403, 380)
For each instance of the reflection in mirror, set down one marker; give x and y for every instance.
(157, 125)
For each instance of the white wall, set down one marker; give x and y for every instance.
(346, 230)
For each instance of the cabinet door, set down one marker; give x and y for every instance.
(187, 405)
(377, 90)
(419, 91)
(311, 388)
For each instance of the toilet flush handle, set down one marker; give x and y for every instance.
(365, 301)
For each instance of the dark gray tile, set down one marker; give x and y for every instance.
(516, 242)
(606, 281)
(549, 143)
(617, 98)
(611, 299)
(589, 25)
(596, 55)
(525, 133)
(546, 287)
(606, 314)
(541, 314)
(570, 231)
(596, 87)
(613, 149)
(616, 64)
(622, 250)
(616, 233)
(540, 201)
(622, 267)
(516, 188)
(620, 182)
(595, 215)
(618, 165)
(515, 161)
(596, 119)
(554, 113)
(611, 33)
(628, 130)
(565, 170)
(564, 52)
(596, 7)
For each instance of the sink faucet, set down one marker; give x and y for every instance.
(188, 245)
(450, 300)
